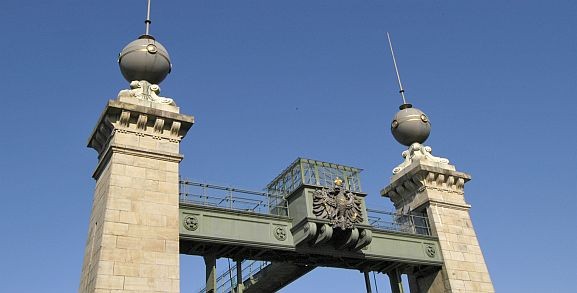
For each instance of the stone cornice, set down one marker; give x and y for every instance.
(419, 177)
(119, 116)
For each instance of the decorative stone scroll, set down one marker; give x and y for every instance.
(142, 89)
(418, 152)
(338, 205)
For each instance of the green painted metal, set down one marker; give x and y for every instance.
(239, 230)
(396, 281)
(246, 235)
(307, 227)
(297, 238)
(225, 226)
(274, 277)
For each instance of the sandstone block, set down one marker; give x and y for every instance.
(135, 172)
(129, 242)
(126, 269)
(115, 228)
(109, 282)
(127, 217)
(154, 245)
(113, 254)
(106, 267)
(137, 283)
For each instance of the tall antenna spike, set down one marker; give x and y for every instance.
(401, 91)
(147, 21)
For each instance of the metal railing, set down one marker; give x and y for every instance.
(316, 173)
(404, 223)
(197, 193)
(227, 281)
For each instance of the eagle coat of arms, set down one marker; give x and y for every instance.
(338, 205)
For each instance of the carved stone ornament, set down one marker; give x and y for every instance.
(142, 89)
(338, 205)
(191, 223)
(418, 152)
(430, 250)
(280, 233)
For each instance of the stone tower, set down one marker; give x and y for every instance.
(428, 185)
(133, 238)
(133, 243)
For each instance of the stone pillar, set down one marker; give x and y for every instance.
(133, 238)
(429, 185)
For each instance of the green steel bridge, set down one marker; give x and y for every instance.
(274, 236)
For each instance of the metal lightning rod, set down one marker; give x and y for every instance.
(401, 91)
(147, 21)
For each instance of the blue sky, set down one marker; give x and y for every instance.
(269, 81)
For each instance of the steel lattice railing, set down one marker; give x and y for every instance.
(192, 192)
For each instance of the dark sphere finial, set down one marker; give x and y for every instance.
(410, 125)
(145, 59)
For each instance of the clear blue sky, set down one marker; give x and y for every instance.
(269, 81)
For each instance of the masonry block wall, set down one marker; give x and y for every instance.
(133, 239)
(438, 190)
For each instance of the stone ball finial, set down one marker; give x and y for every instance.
(410, 125)
(144, 59)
